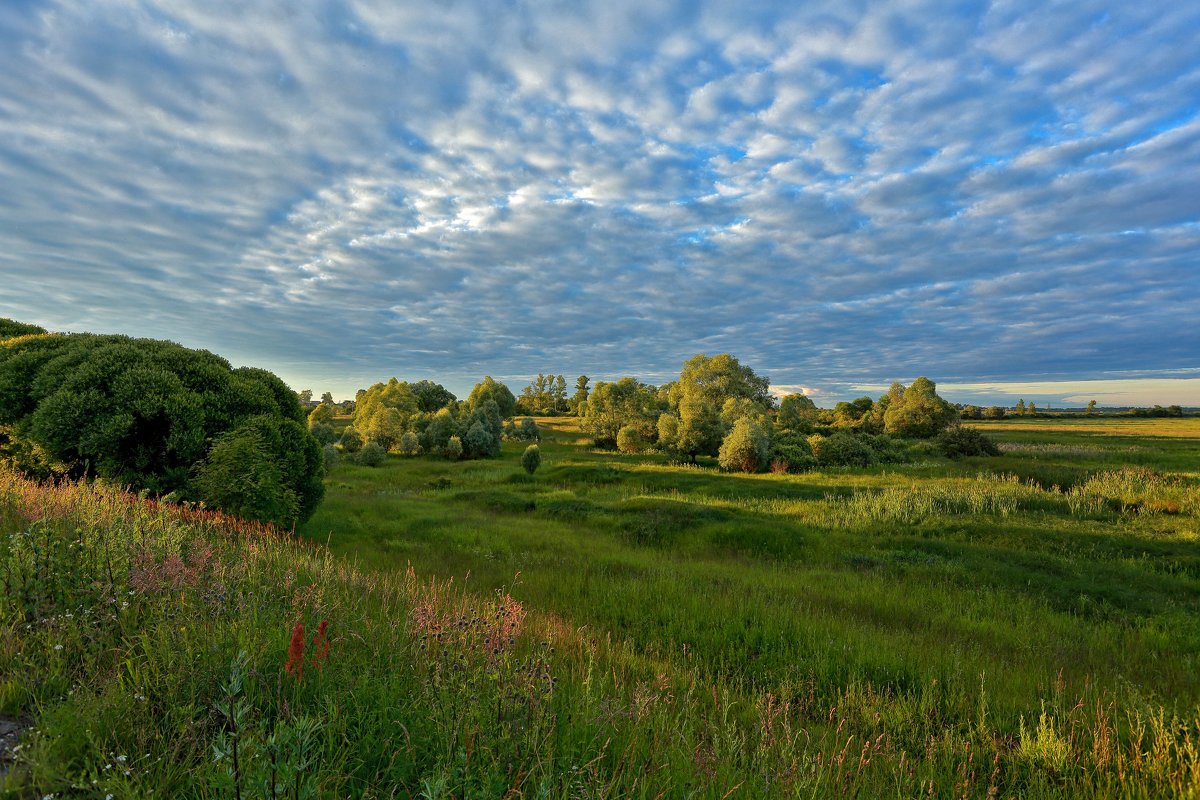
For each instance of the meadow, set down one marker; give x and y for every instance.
(620, 626)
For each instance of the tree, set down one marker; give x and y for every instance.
(409, 446)
(431, 396)
(1091, 407)
(372, 454)
(579, 400)
(489, 389)
(304, 395)
(327, 399)
(700, 430)
(1021, 406)
(531, 459)
(323, 432)
(718, 379)
(321, 415)
(921, 413)
(351, 441)
(240, 476)
(746, 447)
(612, 406)
(796, 413)
(146, 414)
(629, 440)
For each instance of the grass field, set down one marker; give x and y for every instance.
(1020, 626)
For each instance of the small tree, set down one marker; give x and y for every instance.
(746, 447)
(324, 433)
(454, 448)
(330, 454)
(351, 441)
(1091, 407)
(529, 430)
(321, 415)
(629, 440)
(372, 454)
(409, 444)
(531, 459)
(240, 476)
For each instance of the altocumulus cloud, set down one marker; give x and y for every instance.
(852, 192)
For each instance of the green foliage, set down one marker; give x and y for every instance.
(144, 414)
(578, 401)
(431, 396)
(409, 444)
(331, 456)
(351, 441)
(498, 393)
(958, 441)
(614, 405)
(531, 459)
(240, 476)
(745, 448)
(323, 432)
(792, 451)
(372, 454)
(10, 328)
(841, 449)
(629, 440)
(718, 379)
(321, 415)
(453, 448)
(921, 414)
(483, 431)
(994, 412)
(546, 396)
(797, 413)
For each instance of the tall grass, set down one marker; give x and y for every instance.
(173, 652)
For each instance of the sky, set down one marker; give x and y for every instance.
(1002, 196)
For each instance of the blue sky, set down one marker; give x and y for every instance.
(1002, 196)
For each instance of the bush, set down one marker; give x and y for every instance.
(323, 432)
(372, 454)
(792, 452)
(454, 448)
(240, 477)
(745, 448)
(147, 414)
(409, 446)
(960, 441)
(351, 441)
(531, 459)
(331, 456)
(529, 430)
(841, 449)
(629, 440)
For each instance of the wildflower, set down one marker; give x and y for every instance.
(295, 662)
(320, 645)
(58, 647)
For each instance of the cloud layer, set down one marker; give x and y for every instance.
(343, 191)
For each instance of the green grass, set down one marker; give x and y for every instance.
(1024, 625)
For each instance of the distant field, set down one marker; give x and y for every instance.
(996, 588)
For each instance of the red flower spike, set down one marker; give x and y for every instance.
(295, 662)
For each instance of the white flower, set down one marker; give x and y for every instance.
(58, 647)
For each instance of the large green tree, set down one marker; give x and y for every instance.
(498, 393)
(921, 413)
(719, 378)
(613, 405)
(148, 414)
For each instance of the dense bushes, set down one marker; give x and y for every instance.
(159, 417)
(959, 441)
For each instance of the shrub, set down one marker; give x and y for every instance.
(372, 454)
(331, 456)
(454, 448)
(959, 441)
(351, 441)
(745, 448)
(841, 449)
(321, 415)
(240, 477)
(629, 440)
(792, 450)
(531, 459)
(529, 430)
(409, 446)
(323, 432)
(146, 414)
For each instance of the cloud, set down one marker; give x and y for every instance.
(836, 193)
